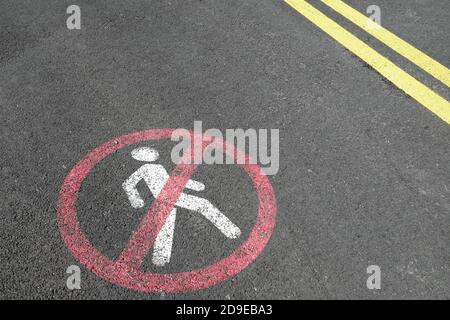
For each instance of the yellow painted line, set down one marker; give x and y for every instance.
(422, 60)
(414, 88)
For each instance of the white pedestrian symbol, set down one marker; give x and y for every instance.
(156, 176)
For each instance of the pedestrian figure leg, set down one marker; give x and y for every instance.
(162, 248)
(210, 212)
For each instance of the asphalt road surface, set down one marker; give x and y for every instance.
(364, 174)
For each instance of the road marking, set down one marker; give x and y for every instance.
(158, 180)
(125, 270)
(422, 60)
(414, 88)
(162, 249)
(145, 235)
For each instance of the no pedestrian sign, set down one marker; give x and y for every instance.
(157, 227)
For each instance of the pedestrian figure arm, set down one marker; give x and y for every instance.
(195, 185)
(129, 186)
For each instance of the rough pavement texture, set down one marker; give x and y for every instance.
(364, 170)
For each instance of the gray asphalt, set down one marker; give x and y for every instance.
(364, 169)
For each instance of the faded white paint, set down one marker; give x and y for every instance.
(156, 176)
(162, 249)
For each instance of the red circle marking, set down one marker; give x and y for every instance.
(126, 275)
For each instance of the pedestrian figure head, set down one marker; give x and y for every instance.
(145, 154)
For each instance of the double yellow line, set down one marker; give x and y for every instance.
(411, 86)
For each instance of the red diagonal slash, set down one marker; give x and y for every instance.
(145, 235)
